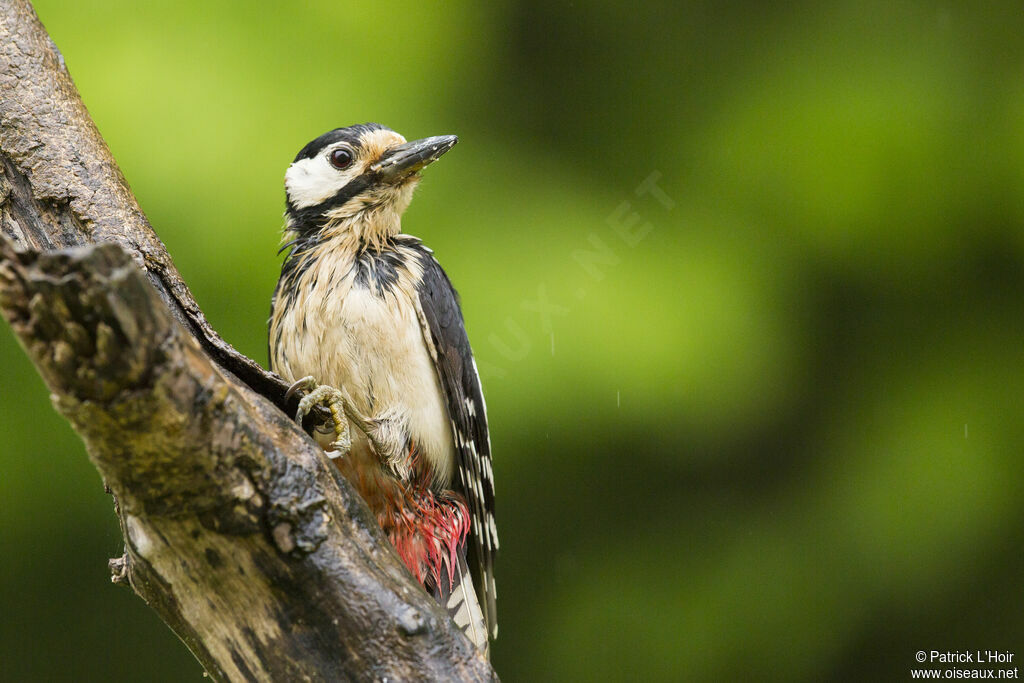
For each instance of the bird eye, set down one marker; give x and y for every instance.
(341, 158)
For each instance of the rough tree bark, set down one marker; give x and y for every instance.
(238, 531)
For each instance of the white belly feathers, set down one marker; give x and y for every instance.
(345, 333)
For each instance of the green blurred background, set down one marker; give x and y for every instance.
(776, 434)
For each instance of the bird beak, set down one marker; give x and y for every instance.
(404, 160)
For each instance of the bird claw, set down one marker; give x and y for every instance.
(333, 402)
(304, 385)
(339, 411)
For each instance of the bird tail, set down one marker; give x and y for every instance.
(459, 598)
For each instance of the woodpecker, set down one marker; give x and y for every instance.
(366, 322)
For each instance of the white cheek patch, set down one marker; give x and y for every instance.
(311, 181)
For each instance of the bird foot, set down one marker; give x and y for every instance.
(334, 429)
(384, 433)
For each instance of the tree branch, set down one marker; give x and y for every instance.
(62, 187)
(238, 531)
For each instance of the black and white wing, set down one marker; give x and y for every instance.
(453, 357)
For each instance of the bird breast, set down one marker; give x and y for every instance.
(356, 325)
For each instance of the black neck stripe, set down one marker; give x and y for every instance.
(314, 217)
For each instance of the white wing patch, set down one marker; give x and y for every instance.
(445, 333)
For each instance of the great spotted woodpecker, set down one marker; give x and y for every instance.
(366, 322)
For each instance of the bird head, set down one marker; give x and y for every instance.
(357, 180)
